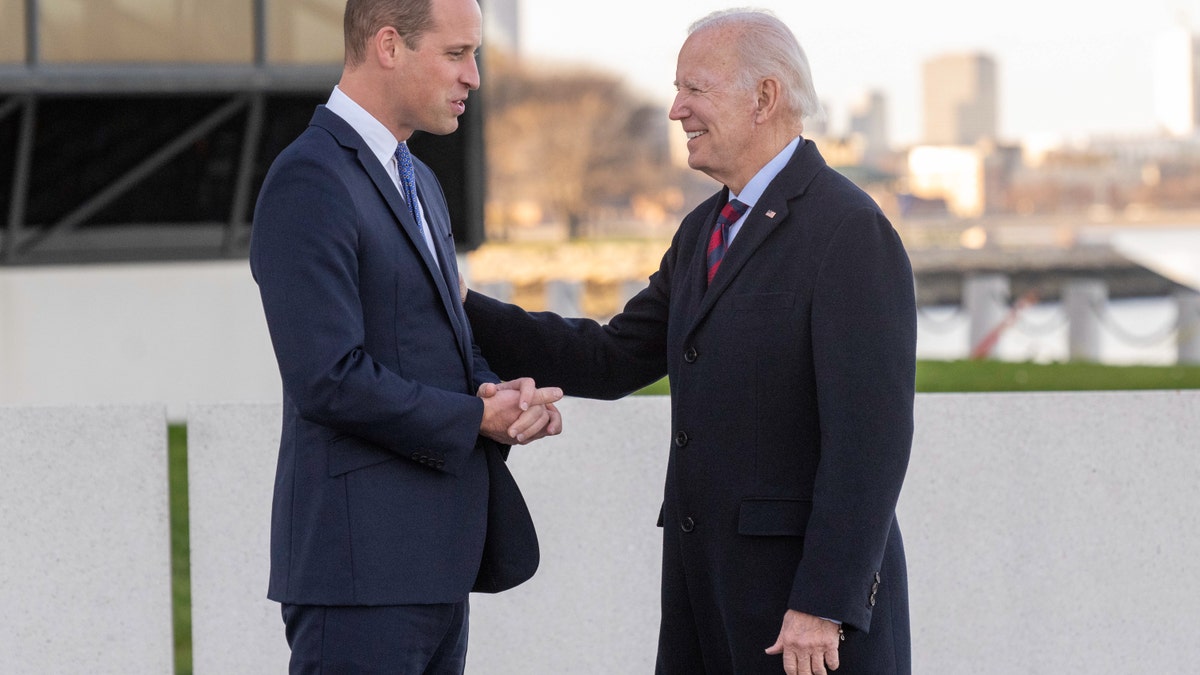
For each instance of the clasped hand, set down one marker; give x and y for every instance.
(518, 411)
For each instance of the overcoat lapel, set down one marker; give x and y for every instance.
(755, 230)
(770, 212)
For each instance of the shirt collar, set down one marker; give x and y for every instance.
(758, 185)
(381, 141)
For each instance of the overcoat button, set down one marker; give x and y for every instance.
(690, 355)
(687, 525)
(681, 439)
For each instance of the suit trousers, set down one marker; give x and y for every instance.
(359, 640)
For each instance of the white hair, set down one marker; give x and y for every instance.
(768, 48)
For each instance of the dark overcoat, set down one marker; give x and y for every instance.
(792, 381)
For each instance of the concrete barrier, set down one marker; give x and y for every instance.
(1052, 532)
(85, 568)
(231, 470)
(595, 493)
(173, 332)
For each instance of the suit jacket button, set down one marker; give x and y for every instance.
(416, 456)
(690, 355)
(687, 525)
(440, 463)
(681, 439)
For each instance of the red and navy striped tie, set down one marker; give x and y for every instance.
(720, 235)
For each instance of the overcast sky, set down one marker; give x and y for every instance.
(1066, 68)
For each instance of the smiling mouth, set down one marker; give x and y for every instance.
(695, 134)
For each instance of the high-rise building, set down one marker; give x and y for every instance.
(1177, 82)
(868, 120)
(960, 99)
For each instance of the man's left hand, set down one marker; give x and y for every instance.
(809, 644)
(540, 418)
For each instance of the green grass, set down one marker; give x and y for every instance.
(932, 376)
(982, 376)
(979, 376)
(181, 577)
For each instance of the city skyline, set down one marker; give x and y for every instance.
(1065, 75)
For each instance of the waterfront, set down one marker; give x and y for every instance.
(1139, 331)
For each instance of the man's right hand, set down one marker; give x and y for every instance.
(517, 411)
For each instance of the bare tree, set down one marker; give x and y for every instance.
(573, 142)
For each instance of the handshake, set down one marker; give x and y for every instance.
(518, 411)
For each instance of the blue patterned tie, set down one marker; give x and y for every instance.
(408, 182)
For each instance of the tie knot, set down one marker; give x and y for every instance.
(732, 211)
(403, 158)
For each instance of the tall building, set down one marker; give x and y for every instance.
(960, 99)
(868, 120)
(1177, 82)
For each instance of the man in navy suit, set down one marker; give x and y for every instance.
(784, 315)
(390, 499)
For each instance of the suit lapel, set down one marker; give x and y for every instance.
(446, 274)
(386, 186)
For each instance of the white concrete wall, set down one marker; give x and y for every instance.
(1045, 532)
(232, 450)
(170, 332)
(85, 563)
(1054, 533)
(594, 493)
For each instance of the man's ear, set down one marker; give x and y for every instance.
(767, 97)
(385, 46)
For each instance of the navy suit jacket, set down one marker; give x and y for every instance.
(792, 382)
(381, 490)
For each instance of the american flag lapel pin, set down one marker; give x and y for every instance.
(770, 214)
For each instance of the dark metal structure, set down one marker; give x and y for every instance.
(114, 162)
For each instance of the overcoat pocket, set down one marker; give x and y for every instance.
(774, 516)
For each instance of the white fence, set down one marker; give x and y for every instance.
(1045, 532)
